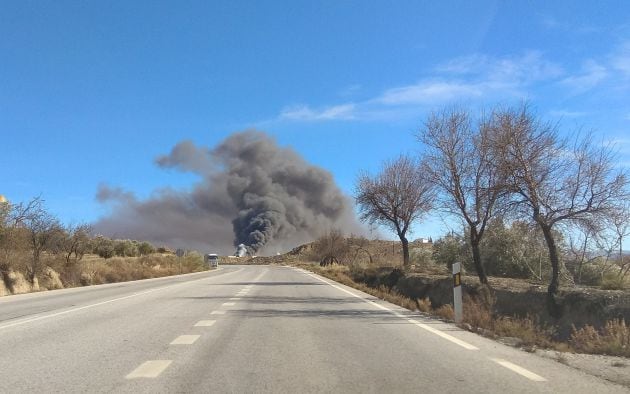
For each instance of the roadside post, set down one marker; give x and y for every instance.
(457, 291)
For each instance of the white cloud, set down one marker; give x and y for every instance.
(468, 78)
(429, 92)
(528, 67)
(306, 113)
(592, 75)
(476, 76)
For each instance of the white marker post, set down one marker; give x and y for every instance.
(457, 292)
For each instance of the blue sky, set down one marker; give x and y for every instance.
(91, 92)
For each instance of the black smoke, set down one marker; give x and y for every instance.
(251, 191)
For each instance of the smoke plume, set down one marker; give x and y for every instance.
(252, 192)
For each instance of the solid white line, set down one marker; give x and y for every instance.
(149, 369)
(83, 307)
(185, 340)
(25, 321)
(228, 304)
(432, 330)
(205, 323)
(519, 370)
(217, 313)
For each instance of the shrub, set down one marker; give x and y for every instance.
(613, 339)
(145, 248)
(105, 248)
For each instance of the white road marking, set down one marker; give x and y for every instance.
(519, 370)
(228, 304)
(25, 321)
(149, 369)
(217, 313)
(235, 298)
(205, 323)
(185, 340)
(432, 330)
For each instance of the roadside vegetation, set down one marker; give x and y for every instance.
(536, 208)
(480, 316)
(38, 253)
(510, 168)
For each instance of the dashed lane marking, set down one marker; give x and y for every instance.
(228, 304)
(205, 323)
(217, 313)
(34, 319)
(519, 370)
(149, 369)
(185, 340)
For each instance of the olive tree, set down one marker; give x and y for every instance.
(400, 194)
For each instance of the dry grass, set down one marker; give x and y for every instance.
(340, 273)
(445, 312)
(613, 339)
(93, 270)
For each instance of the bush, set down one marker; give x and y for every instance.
(613, 339)
(145, 248)
(105, 248)
(125, 248)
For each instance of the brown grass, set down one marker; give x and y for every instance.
(613, 339)
(93, 270)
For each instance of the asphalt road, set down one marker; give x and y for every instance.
(252, 329)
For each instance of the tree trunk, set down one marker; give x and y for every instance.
(474, 244)
(552, 291)
(32, 270)
(405, 248)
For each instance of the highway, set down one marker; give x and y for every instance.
(254, 329)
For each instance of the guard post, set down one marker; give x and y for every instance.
(457, 291)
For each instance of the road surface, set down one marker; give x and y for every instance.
(252, 329)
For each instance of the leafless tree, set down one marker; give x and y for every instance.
(554, 182)
(620, 226)
(397, 196)
(459, 162)
(13, 239)
(42, 227)
(330, 247)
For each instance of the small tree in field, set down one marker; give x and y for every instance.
(397, 196)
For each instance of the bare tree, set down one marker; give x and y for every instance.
(459, 162)
(620, 226)
(330, 247)
(555, 182)
(397, 196)
(13, 239)
(42, 228)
